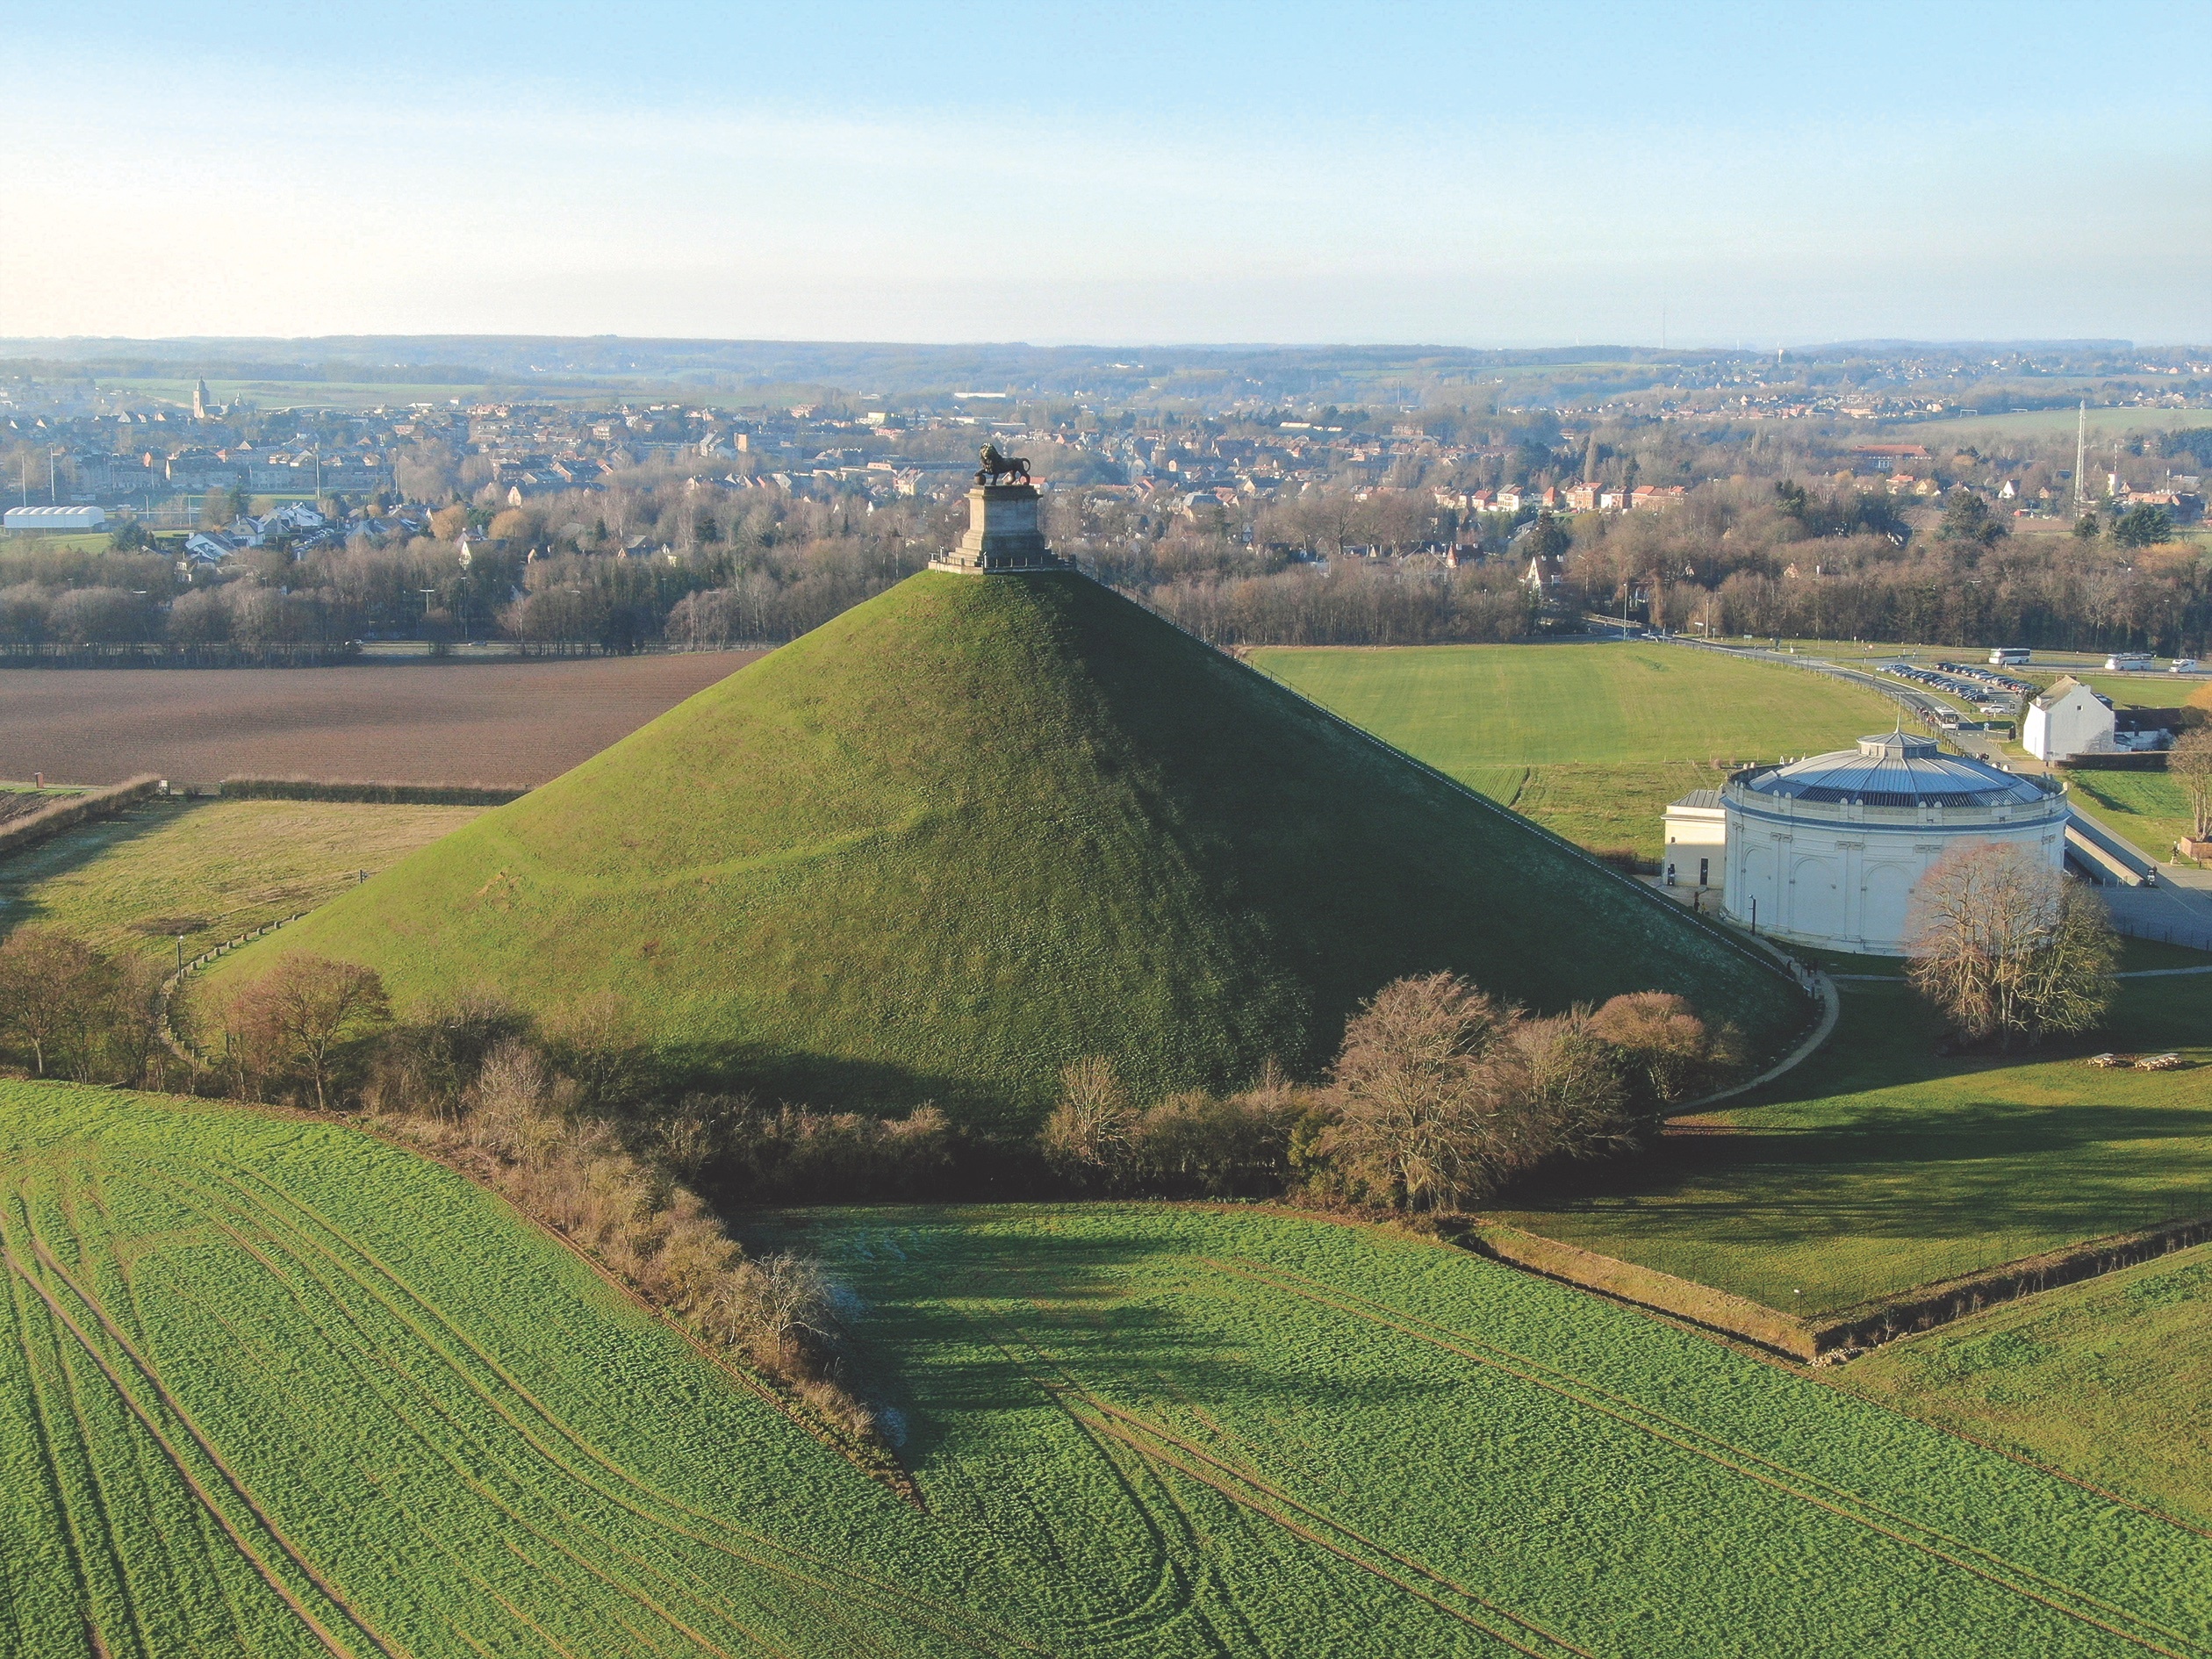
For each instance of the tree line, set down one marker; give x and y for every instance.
(657, 564)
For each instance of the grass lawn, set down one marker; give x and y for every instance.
(209, 870)
(1877, 1166)
(970, 832)
(2138, 690)
(2146, 807)
(56, 540)
(1601, 735)
(2110, 1381)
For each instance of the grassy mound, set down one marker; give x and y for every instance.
(973, 829)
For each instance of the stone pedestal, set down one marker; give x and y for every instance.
(1002, 533)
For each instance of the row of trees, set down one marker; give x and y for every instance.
(1441, 1097)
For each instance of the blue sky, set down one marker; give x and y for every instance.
(1464, 175)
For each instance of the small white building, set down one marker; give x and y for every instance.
(54, 518)
(2066, 720)
(1826, 851)
(1696, 840)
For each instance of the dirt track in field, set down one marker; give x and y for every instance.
(510, 724)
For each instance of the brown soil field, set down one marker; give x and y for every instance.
(514, 723)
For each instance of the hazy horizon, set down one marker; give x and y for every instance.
(1285, 175)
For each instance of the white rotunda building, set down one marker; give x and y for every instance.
(1826, 851)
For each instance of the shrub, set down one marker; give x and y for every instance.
(1668, 1054)
(1086, 1138)
(1431, 1095)
(408, 795)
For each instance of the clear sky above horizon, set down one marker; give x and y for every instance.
(1470, 175)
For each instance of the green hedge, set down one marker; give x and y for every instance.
(393, 795)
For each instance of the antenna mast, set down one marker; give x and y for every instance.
(2082, 452)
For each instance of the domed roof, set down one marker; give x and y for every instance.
(1897, 769)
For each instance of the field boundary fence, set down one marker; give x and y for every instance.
(1852, 1331)
(164, 998)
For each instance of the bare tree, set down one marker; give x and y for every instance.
(305, 1010)
(1670, 1053)
(2005, 946)
(1089, 1131)
(2190, 765)
(51, 992)
(790, 1299)
(1577, 1093)
(1432, 1097)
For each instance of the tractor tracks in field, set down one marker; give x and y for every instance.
(1253, 1494)
(334, 1614)
(455, 1410)
(294, 1229)
(2083, 1606)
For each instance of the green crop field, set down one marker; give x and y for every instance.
(970, 832)
(1589, 740)
(272, 1387)
(1233, 1400)
(209, 870)
(1879, 1166)
(2110, 1381)
(2044, 423)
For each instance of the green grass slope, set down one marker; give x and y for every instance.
(976, 828)
(271, 1387)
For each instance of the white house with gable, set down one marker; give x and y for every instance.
(2066, 720)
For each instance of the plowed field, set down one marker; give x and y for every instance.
(509, 723)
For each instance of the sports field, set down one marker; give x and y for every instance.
(209, 870)
(273, 1386)
(1879, 1166)
(1592, 740)
(2110, 1380)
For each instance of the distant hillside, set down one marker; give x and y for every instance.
(975, 829)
